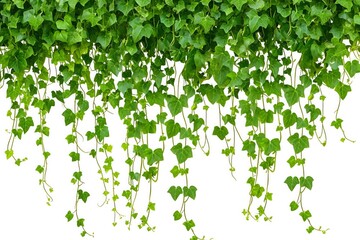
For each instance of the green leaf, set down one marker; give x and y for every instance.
(18, 62)
(342, 89)
(74, 37)
(83, 195)
(337, 123)
(257, 190)
(125, 6)
(69, 216)
(175, 192)
(345, 3)
(175, 105)
(104, 39)
(72, 3)
(177, 215)
(36, 21)
(238, 3)
(77, 175)
(39, 169)
(305, 215)
(102, 131)
(299, 143)
(9, 153)
(190, 192)
(74, 156)
(294, 206)
(189, 224)
(256, 22)
(310, 229)
(182, 154)
(69, 116)
(306, 182)
(155, 156)
(221, 132)
(291, 182)
(80, 222)
(143, 3)
(168, 21)
(25, 123)
(274, 146)
(352, 67)
(175, 171)
(172, 128)
(289, 118)
(291, 95)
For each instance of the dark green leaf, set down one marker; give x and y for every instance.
(190, 192)
(294, 206)
(221, 132)
(291, 182)
(69, 116)
(175, 192)
(25, 123)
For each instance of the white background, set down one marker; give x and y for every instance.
(334, 200)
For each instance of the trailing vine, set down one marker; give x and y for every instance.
(159, 66)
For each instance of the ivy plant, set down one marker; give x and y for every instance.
(160, 66)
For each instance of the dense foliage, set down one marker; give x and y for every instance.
(161, 64)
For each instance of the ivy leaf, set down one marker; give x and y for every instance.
(273, 146)
(306, 182)
(125, 6)
(352, 67)
(69, 216)
(177, 215)
(299, 143)
(238, 3)
(36, 21)
(291, 182)
(207, 22)
(182, 154)
(175, 192)
(69, 116)
(9, 153)
(102, 132)
(342, 89)
(18, 62)
(294, 206)
(155, 156)
(189, 224)
(143, 3)
(221, 132)
(345, 3)
(175, 105)
(104, 39)
(80, 222)
(291, 95)
(289, 118)
(256, 22)
(172, 128)
(305, 215)
(83, 195)
(25, 123)
(190, 192)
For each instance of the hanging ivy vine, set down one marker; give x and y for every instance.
(161, 65)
